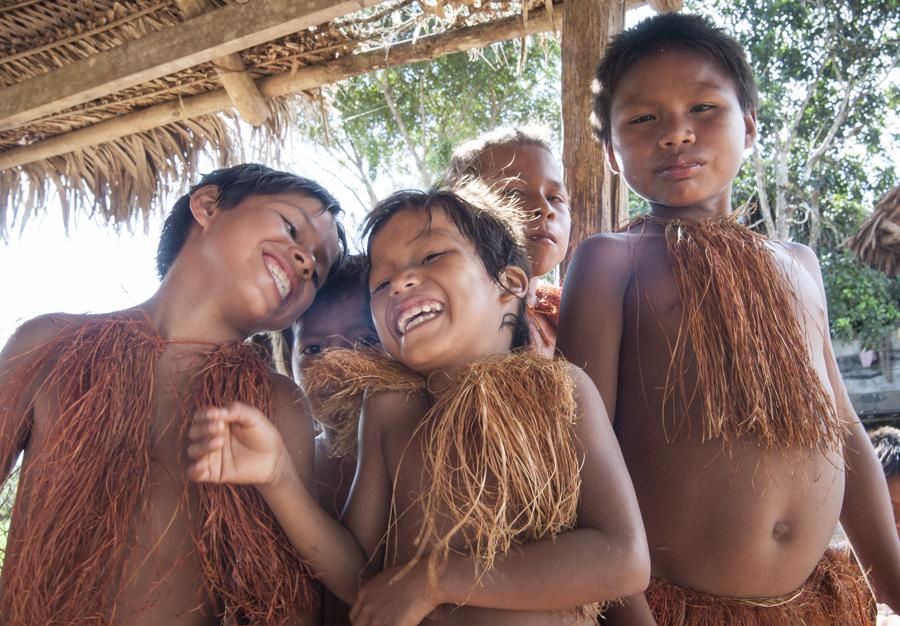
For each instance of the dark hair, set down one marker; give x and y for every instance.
(886, 441)
(351, 276)
(466, 159)
(235, 184)
(665, 33)
(490, 224)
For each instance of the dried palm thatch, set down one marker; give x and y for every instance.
(877, 242)
(122, 177)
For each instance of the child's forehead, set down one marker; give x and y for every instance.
(412, 224)
(652, 76)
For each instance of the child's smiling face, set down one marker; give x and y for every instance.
(678, 132)
(434, 304)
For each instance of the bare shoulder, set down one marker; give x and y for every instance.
(610, 252)
(803, 255)
(386, 411)
(39, 330)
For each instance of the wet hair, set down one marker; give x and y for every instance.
(886, 441)
(666, 33)
(236, 184)
(466, 159)
(492, 225)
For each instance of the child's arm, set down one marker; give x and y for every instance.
(603, 558)
(590, 317)
(590, 336)
(867, 515)
(18, 354)
(238, 444)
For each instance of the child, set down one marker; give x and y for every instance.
(519, 163)
(466, 449)
(105, 528)
(714, 360)
(338, 318)
(886, 441)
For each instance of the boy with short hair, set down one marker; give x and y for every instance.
(714, 361)
(519, 164)
(488, 480)
(105, 528)
(338, 318)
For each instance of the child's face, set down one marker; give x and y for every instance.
(533, 177)
(341, 323)
(678, 132)
(435, 306)
(268, 254)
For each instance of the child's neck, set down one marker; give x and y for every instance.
(691, 213)
(193, 319)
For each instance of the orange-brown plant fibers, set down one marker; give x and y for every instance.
(88, 484)
(497, 444)
(739, 330)
(835, 593)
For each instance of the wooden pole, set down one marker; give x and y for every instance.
(598, 199)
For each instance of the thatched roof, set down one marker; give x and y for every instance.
(877, 242)
(110, 102)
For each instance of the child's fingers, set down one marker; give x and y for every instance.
(202, 447)
(199, 472)
(202, 428)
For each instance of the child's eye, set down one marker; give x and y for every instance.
(640, 119)
(700, 108)
(515, 194)
(289, 226)
(311, 349)
(368, 341)
(431, 257)
(380, 286)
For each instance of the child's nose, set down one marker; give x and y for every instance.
(404, 281)
(678, 132)
(304, 260)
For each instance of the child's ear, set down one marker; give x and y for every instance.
(749, 129)
(611, 159)
(514, 281)
(204, 204)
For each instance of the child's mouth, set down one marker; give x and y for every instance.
(414, 316)
(282, 282)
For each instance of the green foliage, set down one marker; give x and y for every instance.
(809, 57)
(862, 303)
(440, 104)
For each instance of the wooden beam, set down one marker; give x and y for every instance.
(233, 75)
(597, 197)
(306, 78)
(208, 36)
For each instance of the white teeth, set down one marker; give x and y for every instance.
(282, 282)
(416, 315)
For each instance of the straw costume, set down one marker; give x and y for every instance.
(754, 380)
(835, 593)
(498, 451)
(89, 482)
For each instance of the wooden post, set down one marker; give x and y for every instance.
(598, 199)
